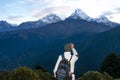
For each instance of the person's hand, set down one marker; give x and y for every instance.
(72, 45)
(55, 74)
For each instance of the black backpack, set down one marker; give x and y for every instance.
(63, 69)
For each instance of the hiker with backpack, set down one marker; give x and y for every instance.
(64, 68)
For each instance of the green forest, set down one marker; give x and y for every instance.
(109, 70)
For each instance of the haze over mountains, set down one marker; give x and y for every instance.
(40, 42)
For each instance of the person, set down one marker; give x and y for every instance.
(72, 58)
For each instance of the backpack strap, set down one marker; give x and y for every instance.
(70, 58)
(65, 58)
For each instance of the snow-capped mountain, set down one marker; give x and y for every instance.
(105, 20)
(79, 14)
(102, 19)
(52, 18)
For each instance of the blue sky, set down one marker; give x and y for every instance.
(18, 11)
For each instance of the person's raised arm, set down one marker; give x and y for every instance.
(74, 50)
(74, 59)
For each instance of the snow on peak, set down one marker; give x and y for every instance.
(79, 14)
(102, 19)
(51, 18)
(105, 20)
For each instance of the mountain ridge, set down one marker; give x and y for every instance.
(53, 18)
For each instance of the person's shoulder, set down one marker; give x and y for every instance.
(60, 56)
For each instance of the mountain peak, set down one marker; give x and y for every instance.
(51, 18)
(78, 11)
(1, 22)
(102, 19)
(4, 24)
(79, 14)
(105, 20)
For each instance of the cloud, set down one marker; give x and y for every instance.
(115, 17)
(36, 1)
(19, 19)
(118, 8)
(33, 1)
(21, 2)
(17, 3)
(59, 10)
(112, 12)
(14, 18)
(11, 5)
(107, 13)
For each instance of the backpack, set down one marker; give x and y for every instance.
(63, 69)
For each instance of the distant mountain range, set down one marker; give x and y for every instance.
(53, 18)
(40, 42)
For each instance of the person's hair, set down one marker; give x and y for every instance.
(67, 47)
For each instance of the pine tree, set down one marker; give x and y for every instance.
(111, 65)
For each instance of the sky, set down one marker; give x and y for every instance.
(18, 11)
